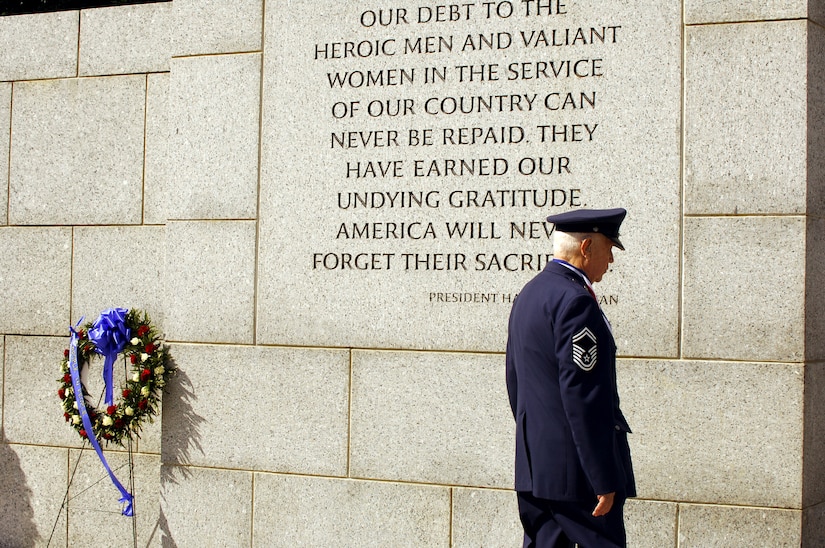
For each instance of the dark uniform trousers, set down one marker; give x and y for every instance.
(550, 524)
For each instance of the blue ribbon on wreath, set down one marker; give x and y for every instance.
(77, 387)
(110, 335)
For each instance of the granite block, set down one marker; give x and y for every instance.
(746, 118)
(214, 26)
(306, 511)
(32, 489)
(160, 163)
(118, 267)
(214, 116)
(813, 526)
(31, 410)
(42, 45)
(816, 116)
(333, 273)
(485, 517)
(77, 151)
(744, 288)
(210, 281)
(93, 494)
(813, 465)
(814, 284)
(650, 524)
(736, 527)
(431, 418)
(125, 39)
(721, 11)
(294, 419)
(5, 130)
(35, 271)
(716, 432)
(186, 493)
(816, 11)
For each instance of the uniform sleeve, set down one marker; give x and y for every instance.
(585, 352)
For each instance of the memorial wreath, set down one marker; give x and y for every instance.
(116, 332)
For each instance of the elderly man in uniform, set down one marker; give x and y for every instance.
(573, 468)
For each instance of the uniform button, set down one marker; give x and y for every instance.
(617, 427)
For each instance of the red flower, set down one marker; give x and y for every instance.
(118, 424)
(111, 409)
(107, 435)
(66, 353)
(142, 405)
(126, 393)
(81, 333)
(142, 330)
(150, 348)
(133, 358)
(66, 416)
(62, 394)
(83, 433)
(67, 378)
(145, 374)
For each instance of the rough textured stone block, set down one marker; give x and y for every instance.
(160, 163)
(210, 276)
(814, 284)
(93, 495)
(312, 292)
(5, 128)
(257, 408)
(813, 527)
(32, 489)
(732, 527)
(816, 117)
(734, 430)
(186, 492)
(813, 465)
(125, 39)
(214, 26)
(77, 151)
(35, 269)
(305, 511)
(215, 101)
(118, 267)
(42, 45)
(32, 412)
(485, 518)
(720, 11)
(650, 524)
(760, 316)
(432, 418)
(746, 118)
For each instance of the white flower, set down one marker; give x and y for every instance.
(129, 411)
(143, 356)
(74, 404)
(135, 341)
(144, 391)
(159, 370)
(107, 421)
(76, 419)
(136, 377)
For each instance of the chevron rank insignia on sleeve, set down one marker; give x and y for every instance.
(584, 349)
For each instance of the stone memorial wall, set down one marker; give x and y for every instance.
(328, 208)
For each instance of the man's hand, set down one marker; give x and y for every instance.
(605, 504)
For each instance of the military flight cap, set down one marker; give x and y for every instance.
(603, 221)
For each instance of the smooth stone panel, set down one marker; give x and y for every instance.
(485, 517)
(160, 162)
(746, 118)
(258, 408)
(126, 39)
(210, 281)
(35, 271)
(42, 45)
(431, 418)
(650, 524)
(721, 11)
(744, 288)
(732, 527)
(215, 26)
(214, 112)
(32, 412)
(205, 508)
(5, 128)
(32, 489)
(449, 292)
(305, 511)
(77, 151)
(716, 432)
(118, 267)
(93, 494)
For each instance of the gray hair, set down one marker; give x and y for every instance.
(566, 244)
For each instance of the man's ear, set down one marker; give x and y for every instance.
(584, 247)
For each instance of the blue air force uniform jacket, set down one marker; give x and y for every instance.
(571, 436)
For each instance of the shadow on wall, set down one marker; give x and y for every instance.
(17, 528)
